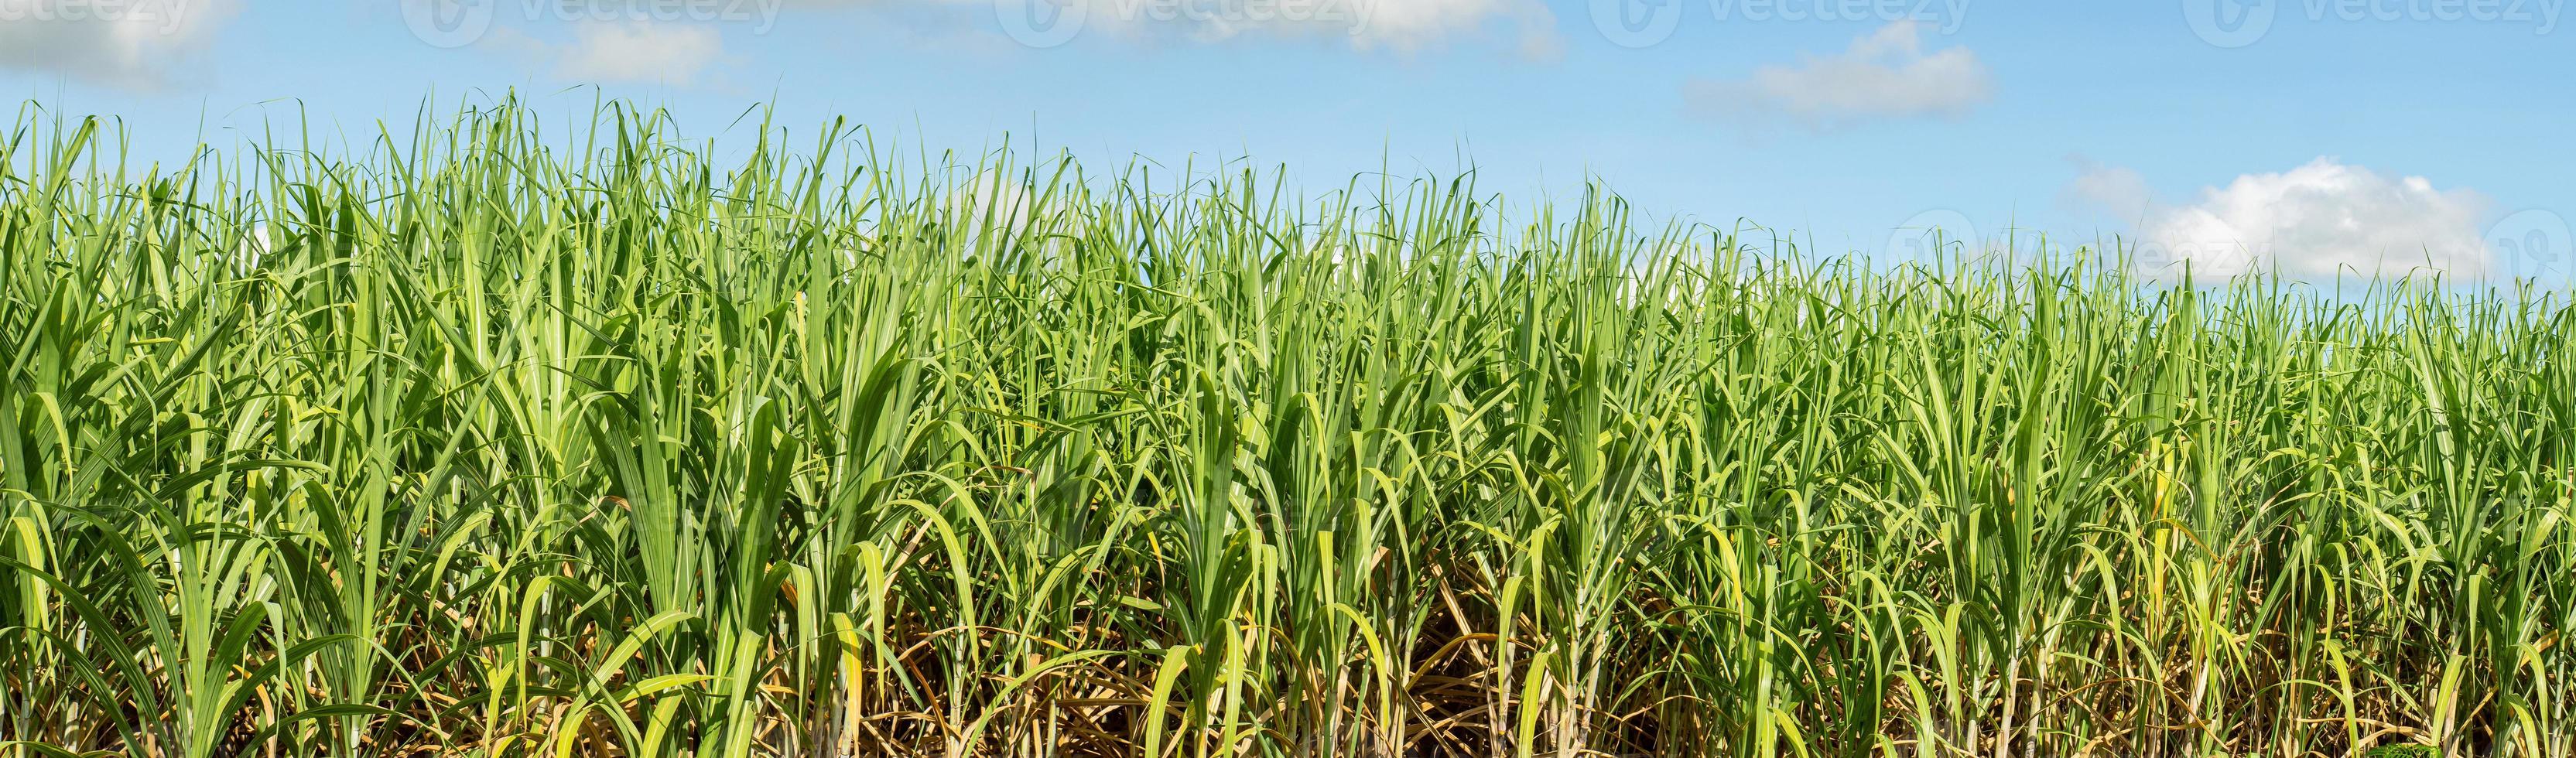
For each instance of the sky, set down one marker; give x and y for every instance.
(2316, 138)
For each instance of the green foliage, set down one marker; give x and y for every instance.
(490, 442)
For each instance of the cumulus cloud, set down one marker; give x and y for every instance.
(1886, 74)
(2119, 190)
(2315, 221)
(993, 200)
(610, 52)
(127, 43)
(1415, 24)
(641, 51)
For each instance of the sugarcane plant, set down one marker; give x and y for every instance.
(488, 437)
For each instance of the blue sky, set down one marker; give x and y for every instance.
(2312, 136)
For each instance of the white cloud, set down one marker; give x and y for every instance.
(1414, 24)
(1886, 74)
(2316, 221)
(609, 52)
(2119, 190)
(127, 43)
(641, 51)
(993, 200)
